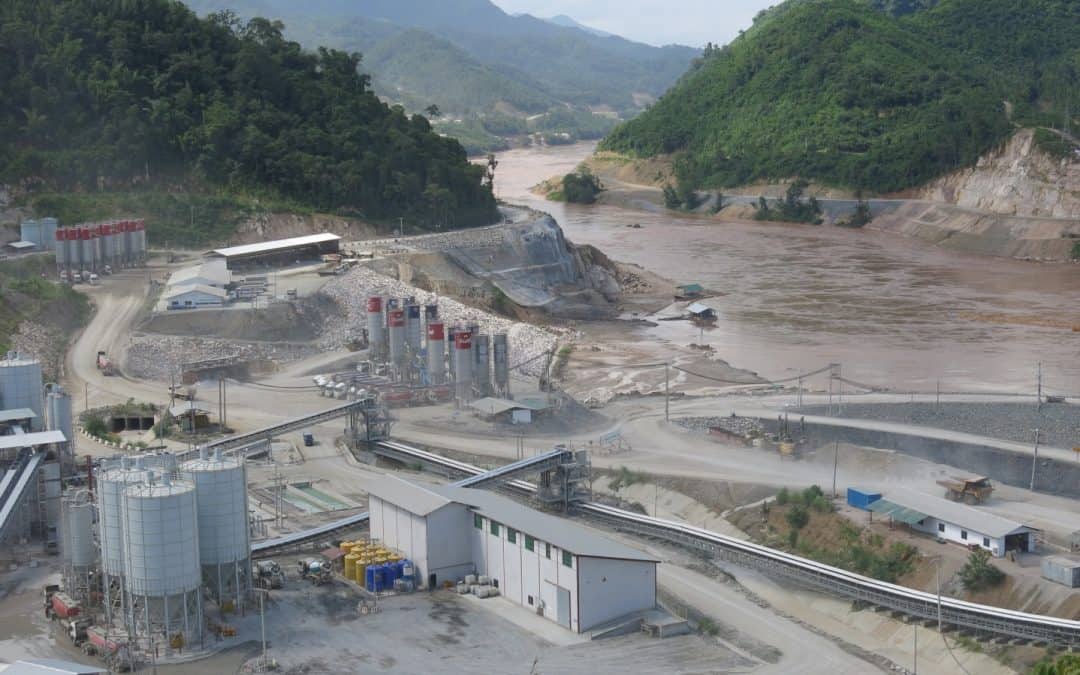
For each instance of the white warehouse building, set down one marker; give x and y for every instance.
(194, 297)
(210, 273)
(955, 522)
(551, 566)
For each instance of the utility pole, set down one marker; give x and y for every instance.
(938, 403)
(915, 653)
(835, 462)
(86, 395)
(1038, 389)
(667, 392)
(1034, 460)
(262, 621)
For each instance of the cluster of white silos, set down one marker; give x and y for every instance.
(91, 247)
(41, 233)
(167, 531)
(476, 363)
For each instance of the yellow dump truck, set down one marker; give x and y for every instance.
(970, 490)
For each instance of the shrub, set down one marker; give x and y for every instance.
(793, 538)
(797, 516)
(581, 187)
(783, 497)
(978, 573)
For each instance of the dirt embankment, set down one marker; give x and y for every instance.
(268, 226)
(299, 321)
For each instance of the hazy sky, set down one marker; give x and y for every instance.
(658, 22)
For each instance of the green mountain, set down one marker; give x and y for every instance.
(521, 61)
(874, 94)
(102, 95)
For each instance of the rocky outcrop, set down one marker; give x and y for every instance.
(268, 226)
(1016, 179)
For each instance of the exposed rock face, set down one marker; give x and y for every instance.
(268, 226)
(1015, 180)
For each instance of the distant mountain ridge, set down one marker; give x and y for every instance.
(560, 64)
(880, 95)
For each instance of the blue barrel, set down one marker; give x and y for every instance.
(369, 578)
(408, 570)
(388, 574)
(380, 579)
(399, 569)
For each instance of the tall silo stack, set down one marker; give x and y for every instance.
(60, 245)
(224, 538)
(78, 552)
(463, 365)
(412, 326)
(500, 352)
(376, 328)
(58, 415)
(140, 241)
(112, 477)
(162, 571)
(20, 387)
(396, 327)
(451, 361)
(30, 230)
(48, 233)
(436, 352)
(482, 365)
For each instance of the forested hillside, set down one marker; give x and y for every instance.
(112, 96)
(873, 94)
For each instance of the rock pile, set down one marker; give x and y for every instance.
(741, 426)
(351, 291)
(159, 357)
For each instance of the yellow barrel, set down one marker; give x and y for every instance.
(787, 448)
(361, 572)
(350, 566)
(394, 557)
(346, 546)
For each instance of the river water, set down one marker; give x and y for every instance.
(892, 311)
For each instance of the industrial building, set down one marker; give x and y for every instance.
(954, 522)
(35, 451)
(211, 273)
(92, 248)
(559, 570)
(504, 411)
(281, 251)
(195, 297)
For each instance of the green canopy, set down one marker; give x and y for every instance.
(898, 513)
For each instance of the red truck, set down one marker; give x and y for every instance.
(105, 365)
(59, 605)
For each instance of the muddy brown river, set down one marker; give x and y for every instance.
(894, 312)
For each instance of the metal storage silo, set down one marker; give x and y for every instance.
(140, 240)
(162, 575)
(412, 326)
(77, 549)
(21, 387)
(376, 325)
(58, 413)
(60, 245)
(482, 365)
(86, 246)
(463, 365)
(224, 537)
(500, 352)
(30, 230)
(113, 476)
(451, 336)
(436, 352)
(48, 233)
(129, 242)
(395, 324)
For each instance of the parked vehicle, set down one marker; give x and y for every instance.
(970, 490)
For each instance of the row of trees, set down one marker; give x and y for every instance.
(121, 95)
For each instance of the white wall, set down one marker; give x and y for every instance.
(522, 573)
(438, 543)
(610, 588)
(196, 298)
(955, 533)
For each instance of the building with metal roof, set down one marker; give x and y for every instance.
(955, 522)
(50, 667)
(569, 574)
(701, 311)
(213, 273)
(195, 297)
(279, 251)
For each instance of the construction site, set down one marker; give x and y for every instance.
(486, 451)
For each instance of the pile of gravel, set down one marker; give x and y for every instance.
(351, 291)
(1058, 423)
(743, 426)
(160, 357)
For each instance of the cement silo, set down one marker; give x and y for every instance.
(162, 574)
(436, 352)
(431, 313)
(78, 552)
(395, 324)
(60, 245)
(129, 242)
(463, 365)
(21, 387)
(500, 352)
(48, 233)
(412, 327)
(376, 325)
(30, 230)
(58, 413)
(224, 537)
(140, 241)
(482, 365)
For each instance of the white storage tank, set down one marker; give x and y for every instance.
(224, 537)
(500, 352)
(77, 530)
(162, 575)
(58, 413)
(396, 328)
(375, 325)
(482, 365)
(61, 249)
(413, 326)
(463, 365)
(48, 232)
(21, 387)
(436, 352)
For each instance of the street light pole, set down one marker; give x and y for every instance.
(667, 392)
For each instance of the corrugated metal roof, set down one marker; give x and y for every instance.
(414, 498)
(967, 517)
(698, 308)
(690, 288)
(31, 440)
(51, 667)
(214, 271)
(184, 290)
(22, 245)
(280, 244)
(494, 406)
(558, 531)
(17, 414)
(898, 513)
